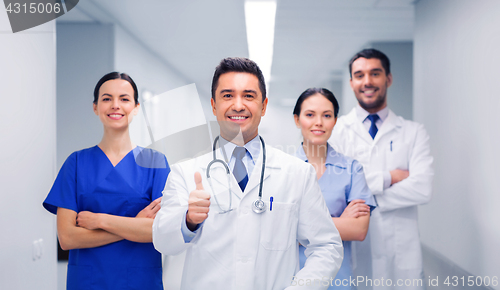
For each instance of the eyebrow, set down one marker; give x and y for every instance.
(106, 94)
(308, 110)
(231, 91)
(373, 70)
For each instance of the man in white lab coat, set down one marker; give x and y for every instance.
(398, 167)
(230, 245)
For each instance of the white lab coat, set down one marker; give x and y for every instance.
(242, 249)
(399, 144)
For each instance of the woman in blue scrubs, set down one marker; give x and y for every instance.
(341, 178)
(106, 197)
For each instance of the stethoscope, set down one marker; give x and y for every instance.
(258, 206)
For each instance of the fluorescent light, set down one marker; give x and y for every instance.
(259, 18)
(146, 95)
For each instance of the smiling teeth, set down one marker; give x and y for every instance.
(115, 115)
(238, 118)
(369, 92)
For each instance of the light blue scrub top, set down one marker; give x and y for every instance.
(88, 181)
(342, 182)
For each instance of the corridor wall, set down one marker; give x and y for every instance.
(27, 156)
(456, 63)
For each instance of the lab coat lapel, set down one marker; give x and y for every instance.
(254, 180)
(218, 175)
(357, 127)
(389, 124)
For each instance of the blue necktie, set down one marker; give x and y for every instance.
(239, 170)
(373, 129)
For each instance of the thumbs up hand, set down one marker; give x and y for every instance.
(199, 203)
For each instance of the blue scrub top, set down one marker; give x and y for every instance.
(88, 182)
(342, 182)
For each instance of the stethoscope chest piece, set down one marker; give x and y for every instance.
(259, 206)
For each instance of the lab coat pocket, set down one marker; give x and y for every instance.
(279, 226)
(79, 277)
(397, 156)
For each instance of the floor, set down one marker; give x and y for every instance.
(435, 266)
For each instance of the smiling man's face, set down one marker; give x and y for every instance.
(238, 105)
(369, 83)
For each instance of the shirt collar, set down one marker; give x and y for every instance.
(252, 146)
(362, 113)
(300, 153)
(331, 154)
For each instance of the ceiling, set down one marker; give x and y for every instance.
(313, 39)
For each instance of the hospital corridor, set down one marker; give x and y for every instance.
(443, 54)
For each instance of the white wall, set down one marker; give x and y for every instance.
(400, 94)
(278, 126)
(85, 52)
(149, 72)
(336, 87)
(348, 100)
(456, 63)
(27, 155)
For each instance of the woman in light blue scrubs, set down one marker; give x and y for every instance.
(106, 197)
(341, 178)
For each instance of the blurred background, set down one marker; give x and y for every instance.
(444, 56)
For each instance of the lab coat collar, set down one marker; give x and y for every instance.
(362, 114)
(254, 176)
(253, 147)
(218, 175)
(254, 180)
(352, 122)
(392, 122)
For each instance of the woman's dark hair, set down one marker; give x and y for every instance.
(238, 64)
(112, 76)
(312, 91)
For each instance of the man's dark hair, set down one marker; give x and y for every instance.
(372, 53)
(238, 64)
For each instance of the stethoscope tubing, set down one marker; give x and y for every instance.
(259, 205)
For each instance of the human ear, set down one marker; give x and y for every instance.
(296, 118)
(212, 102)
(264, 106)
(136, 109)
(389, 79)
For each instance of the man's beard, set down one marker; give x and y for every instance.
(379, 102)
